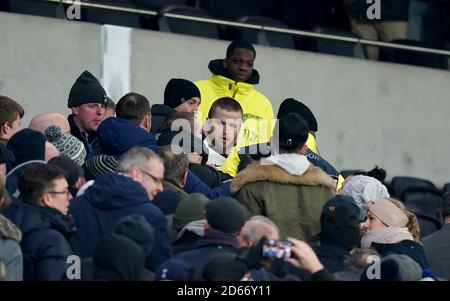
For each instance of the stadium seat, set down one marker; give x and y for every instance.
(414, 58)
(263, 37)
(102, 16)
(186, 26)
(37, 8)
(446, 188)
(158, 4)
(426, 204)
(334, 47)
(400, 184)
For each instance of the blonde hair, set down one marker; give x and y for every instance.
(413, 223)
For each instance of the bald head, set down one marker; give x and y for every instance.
(43, 120)
(255, 228)
(50, 151)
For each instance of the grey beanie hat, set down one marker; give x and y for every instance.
(364, 189)
(67, 144)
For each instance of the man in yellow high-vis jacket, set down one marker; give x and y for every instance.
(235, 77)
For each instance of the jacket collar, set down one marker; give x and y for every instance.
(214, 238)
(256, 172)
(216, 67)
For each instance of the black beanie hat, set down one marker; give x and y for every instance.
(225, 214)
(136, 228)
(27, 144)
(86, 89)
(291, 105)
(224, 267)
(179, 90)
(118, 258)
(339, 222)
(293, 131)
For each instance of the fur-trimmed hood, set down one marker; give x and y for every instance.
(9, 230)
(313, 176)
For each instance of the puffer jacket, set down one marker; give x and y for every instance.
(111, 198)
(45, 243)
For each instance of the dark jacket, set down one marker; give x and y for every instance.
(186, 242)
(10, 252)
(45, 243)
(212, 243)
(105, 203)
(331, 256)
(406, 247)
(116, 136)
(322, 163)
(437, 250)
(208, 174)
(159, 114)
(90, 143)
(167, 201)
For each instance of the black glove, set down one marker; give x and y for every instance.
(253, 255)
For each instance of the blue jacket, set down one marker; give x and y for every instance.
(406, 247)
(117, 135)
(111, 198)
(45, 242)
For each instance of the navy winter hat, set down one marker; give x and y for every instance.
(339, 222)
(27, 144)
(225, 214)
(86, 89)
(291, 105)
(179, 90)
(175, 269)
(72, 170)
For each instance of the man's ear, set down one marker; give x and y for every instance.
(135, 175)
(74, 110)
(206, 226)
(46, 200)
(4, 128)
(303, 150)
(225, 63)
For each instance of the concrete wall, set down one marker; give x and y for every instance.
(40, 59)
(369, 113)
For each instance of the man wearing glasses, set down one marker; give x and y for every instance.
(42, 217)
(117, 195)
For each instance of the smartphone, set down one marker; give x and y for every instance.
(276, 249)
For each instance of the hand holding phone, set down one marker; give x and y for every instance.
(276, 249)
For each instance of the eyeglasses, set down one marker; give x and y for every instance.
(157, 180)
(66, 192)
